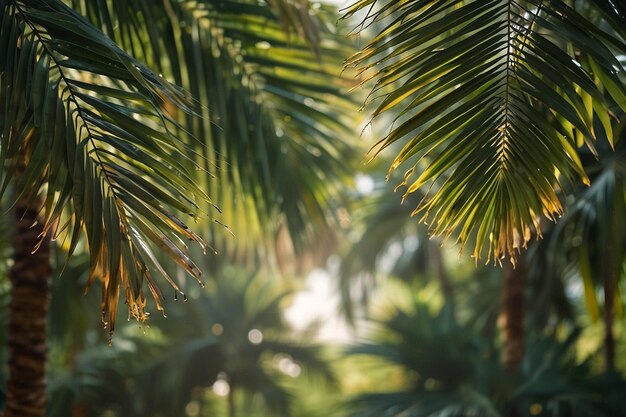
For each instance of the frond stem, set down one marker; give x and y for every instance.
(507, 94)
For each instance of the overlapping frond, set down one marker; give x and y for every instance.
(101, 145)
(465, 378)
(275, 123)
(491, 100)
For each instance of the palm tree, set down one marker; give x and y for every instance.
(490, 101)
(382, 224)
(161, 370)
(239, 344)
(60, 131)
(93, 141)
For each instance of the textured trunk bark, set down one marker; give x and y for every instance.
(512, 315)
(78, 410)
(28, 312)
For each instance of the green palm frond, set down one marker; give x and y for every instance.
(93, 385)
(295, 16)
(94, 123)
(275, 123)
(492, 99)
(439, 361)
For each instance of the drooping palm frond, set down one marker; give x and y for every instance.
(92, 121)
(593, 230)
(492, 98)
(274, 129)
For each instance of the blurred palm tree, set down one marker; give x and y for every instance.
(239, 345)
(588, 242)
(491, 116)
(450, 371)
(385, 241)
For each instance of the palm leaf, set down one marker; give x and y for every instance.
(101, 142)
(437, 357)
(274, 126)
(491, 100)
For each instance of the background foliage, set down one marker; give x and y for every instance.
(504, 111)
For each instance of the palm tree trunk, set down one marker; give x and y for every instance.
(79, 410)
(232, 411)
(512, 315)
(28, 312)
(612, 259)
(511, 321)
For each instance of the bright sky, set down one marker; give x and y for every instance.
(319, 302)
(340, 3)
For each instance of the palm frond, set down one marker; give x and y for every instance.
(438, 359)
(275, 123)
(491, 100)
(453, 371)
(102, 143)
(93, 386)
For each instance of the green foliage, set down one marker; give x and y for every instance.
(380, 225)
(236, 335)
(88, 118)
(490, 100)
(594, 229)
(241, 338)
(450, 370)
(275, 126)
(125, 156)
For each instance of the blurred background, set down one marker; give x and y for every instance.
(323, 297)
